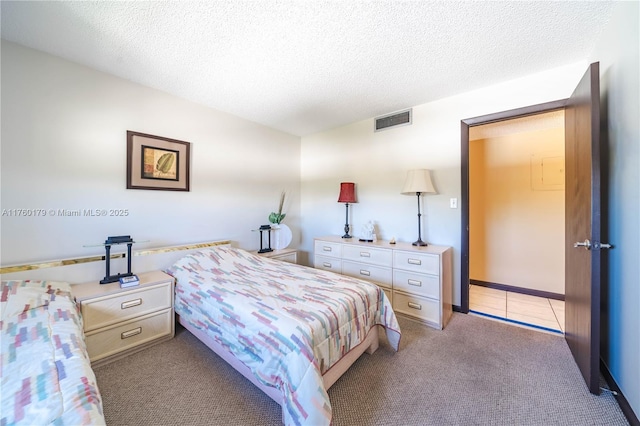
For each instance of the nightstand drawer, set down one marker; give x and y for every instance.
(135, 332)
(285, 255)
(111, 309)
(419, 284)
(324, 248)
(377, 274)
(289, 257)
(418, 262)
(328, 264)
(375, 256)
(415, 306)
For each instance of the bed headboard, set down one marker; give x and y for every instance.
(83, 269)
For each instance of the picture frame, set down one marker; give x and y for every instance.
(157, 163)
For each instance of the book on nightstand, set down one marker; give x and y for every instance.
(130, 281)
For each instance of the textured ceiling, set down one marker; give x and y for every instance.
(307, 66)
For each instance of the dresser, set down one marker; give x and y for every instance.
(120, 321)
(417, 280)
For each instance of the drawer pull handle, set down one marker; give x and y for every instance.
(325, 248)
(415, 282)
(326, 264)
(365, 273)
(414, 261)
(131, 333)
(131, 303)
(365, 254)
(414, 306)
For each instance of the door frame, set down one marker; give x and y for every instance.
(464, 159)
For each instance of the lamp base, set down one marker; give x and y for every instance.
(346, 225)
(419, 243)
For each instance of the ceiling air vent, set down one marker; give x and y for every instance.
(396, 119)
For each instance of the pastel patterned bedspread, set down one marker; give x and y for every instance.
(287, 323)
(46, 374)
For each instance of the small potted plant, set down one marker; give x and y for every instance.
(276, 218)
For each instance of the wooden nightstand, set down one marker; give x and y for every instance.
(286, 254)
(120, 321)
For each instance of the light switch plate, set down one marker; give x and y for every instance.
(453, 203)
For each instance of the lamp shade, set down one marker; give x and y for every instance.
(418, 181)
(347, 193)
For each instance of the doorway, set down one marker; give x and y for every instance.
(465, 145)
(584, 219)
(516, 234)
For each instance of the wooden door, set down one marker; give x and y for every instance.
(582, 233)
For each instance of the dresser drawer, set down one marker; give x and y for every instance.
(418, 307)
(123, 336)
(377, 274)
(419, 284)
(371, 255)
(328, 264)
(418, 262)
(107, 310)
(324, 248)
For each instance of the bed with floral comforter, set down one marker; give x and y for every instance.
(46, 374)
(289, 324)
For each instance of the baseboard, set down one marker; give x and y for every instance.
(530, 292)
(525, 324)
(622, 401)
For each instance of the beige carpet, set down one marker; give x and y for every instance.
(475, 372)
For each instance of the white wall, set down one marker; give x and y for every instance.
(618, 52)
(63, 147)
(378, 163)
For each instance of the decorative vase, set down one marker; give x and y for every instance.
(280, 236)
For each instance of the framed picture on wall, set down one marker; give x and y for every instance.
(154, 162)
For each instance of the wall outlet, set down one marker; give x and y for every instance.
(453, 203)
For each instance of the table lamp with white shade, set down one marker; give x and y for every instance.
(418, 182)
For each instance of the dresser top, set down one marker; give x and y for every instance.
(433, 249)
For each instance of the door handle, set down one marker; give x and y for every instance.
(586, 244)
(596, 245)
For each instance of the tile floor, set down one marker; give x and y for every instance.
(523, 309)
